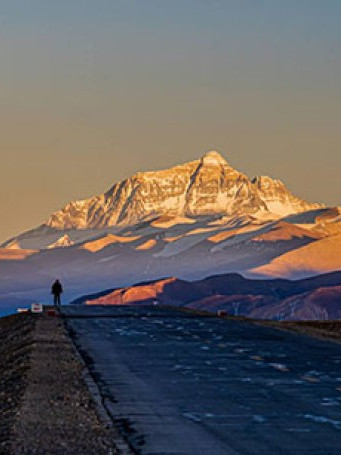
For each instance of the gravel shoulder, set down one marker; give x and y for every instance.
(16, 335)
(46, 407)
(325, 330)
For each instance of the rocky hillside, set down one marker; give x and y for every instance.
(315, 298)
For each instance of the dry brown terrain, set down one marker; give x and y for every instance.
(329, 330)
(316, 298)
(45, 405)
(15, 348)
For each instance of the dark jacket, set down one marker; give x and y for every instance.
(57, 288)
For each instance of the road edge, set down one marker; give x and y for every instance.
(121, 441)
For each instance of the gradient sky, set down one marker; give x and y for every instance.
(93, 91)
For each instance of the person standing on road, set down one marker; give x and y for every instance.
(56, 290)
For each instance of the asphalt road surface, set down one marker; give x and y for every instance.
(181, 383)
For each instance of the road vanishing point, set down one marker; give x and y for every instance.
(176, 382)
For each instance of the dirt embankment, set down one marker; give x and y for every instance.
(16, 335)
(45, 406)
(328, 330)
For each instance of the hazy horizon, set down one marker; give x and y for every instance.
(92, 92)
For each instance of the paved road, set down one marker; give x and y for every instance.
(187, 384)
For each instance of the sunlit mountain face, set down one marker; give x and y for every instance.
(314, 298)
(191, 221)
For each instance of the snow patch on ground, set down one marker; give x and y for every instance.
(180, 245)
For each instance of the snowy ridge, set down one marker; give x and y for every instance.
(202, 187)
(62, 242)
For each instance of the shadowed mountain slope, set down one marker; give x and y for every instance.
(313, 298)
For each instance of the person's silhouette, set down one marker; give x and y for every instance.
(56, 290)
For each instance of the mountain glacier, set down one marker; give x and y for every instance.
(202, 187)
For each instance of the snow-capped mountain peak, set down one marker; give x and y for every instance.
(214, 158)
(208, 186)
(278, 199)
(205, 186)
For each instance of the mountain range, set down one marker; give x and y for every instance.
(205, 187)
(191, 221)
(312, 298)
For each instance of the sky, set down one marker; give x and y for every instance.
(93, 91)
